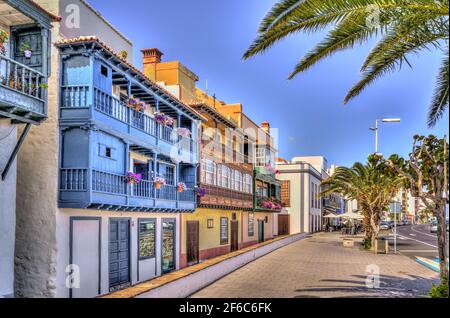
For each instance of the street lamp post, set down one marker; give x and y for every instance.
(377, 127)
(395, 227)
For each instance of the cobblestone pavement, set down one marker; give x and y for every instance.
(320, 267)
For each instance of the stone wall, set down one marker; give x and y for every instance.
(8, 138)
(37, 184)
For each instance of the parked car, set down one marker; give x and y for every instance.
(385, 226)
(433, 227)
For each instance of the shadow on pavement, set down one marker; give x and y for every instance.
(389, 287)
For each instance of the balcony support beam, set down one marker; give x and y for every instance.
(16, 150)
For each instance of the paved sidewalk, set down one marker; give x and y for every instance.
(320, 267)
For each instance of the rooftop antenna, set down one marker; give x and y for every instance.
(207, 87)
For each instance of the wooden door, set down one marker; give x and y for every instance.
(261, 231)
(283, 224)
(119, 254)
(234, 235)
(192, 242)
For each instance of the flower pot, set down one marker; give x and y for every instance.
(27, 54)
(158, 186)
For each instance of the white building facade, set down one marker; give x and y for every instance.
(304, 183)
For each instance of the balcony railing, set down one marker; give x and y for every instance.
(23, 88)
(220, 192)
(110, 183)
(74, 97)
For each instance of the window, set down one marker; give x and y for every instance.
(237, 180)
(260, 157)
(210, 172)
(251, 224)
(223, 231)
(147, 236)
(104, 70)
(313, 195)
(248, 183)
(168, 172)
(225, 177)
(106, 151)
(286, 193)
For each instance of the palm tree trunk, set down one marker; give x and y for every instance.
(442, 241)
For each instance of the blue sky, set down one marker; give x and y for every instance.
(210, 36)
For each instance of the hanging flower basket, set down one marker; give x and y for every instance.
(181, 187)
(159, 182)
(163, 119)
(26, 50)
(133, 178)
(136, 104)
(201, 192)
(183, 132)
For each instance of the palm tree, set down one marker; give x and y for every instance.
(373, 185)
(402, 26)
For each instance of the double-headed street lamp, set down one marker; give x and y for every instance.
(377, 127)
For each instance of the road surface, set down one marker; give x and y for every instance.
(415, 241)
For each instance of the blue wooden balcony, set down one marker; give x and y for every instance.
(23, 92)
(96, 86)
(94, 189)
(23, 77)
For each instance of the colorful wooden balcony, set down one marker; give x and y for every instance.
(94, 189)
(23, 92)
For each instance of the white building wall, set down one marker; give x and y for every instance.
(148, 269)
(304, 218)
(40, 249)
(8, 139)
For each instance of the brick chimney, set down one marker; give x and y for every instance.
(265, 125)
(150, 56)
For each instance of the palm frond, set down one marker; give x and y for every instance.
(347, 34)
(440, 100)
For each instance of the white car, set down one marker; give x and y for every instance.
(433, 227)
(385, 226)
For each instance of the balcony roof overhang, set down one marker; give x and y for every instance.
(19, 12)
(142, 86)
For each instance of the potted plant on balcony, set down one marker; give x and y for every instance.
(123, 54)
(183, 132)
(25, 49)
(201, 192)
(163, 119)
(4, 36)
(181, 187)
(136, 104)
(133, 178)
(159, 182)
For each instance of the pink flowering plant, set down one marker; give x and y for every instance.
(181, 187)
(136, 104)
(133, 178)
(269, 203)
(163, 119)
(183, 132)
(201, 192)
(271, 170)
(160, 181)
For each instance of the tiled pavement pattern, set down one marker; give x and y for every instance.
(320, 267)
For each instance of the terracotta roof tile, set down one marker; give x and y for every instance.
(53, 16)
(92, 38)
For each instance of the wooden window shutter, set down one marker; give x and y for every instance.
(286, 193)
